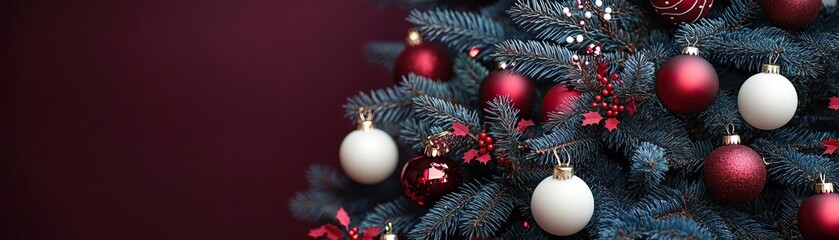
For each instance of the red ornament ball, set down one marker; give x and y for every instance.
(559, 99)
(682, 11)
(518, 87)
(687, 84)
(426, 179)
(791, 14)
(734, 173)
(425, 59)
(818, 217)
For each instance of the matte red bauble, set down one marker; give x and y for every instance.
(682, 11)
(687, 84)
(818, 217)
(426, 179)
(502, 82)
(424, 59)
(734, 173)
(791, 14)
(557, 99)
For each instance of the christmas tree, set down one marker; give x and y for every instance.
(607, 119)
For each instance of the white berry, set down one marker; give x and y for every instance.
(569, 39)
(607, 17)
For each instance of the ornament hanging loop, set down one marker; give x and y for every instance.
(562, 170)
(365, 122)
(824, 186)
(772, 67)
(765, 162)
(691, 48)
(388, 235)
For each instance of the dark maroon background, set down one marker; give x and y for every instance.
(175, 119)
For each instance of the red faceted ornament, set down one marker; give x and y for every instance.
(558, 99)
(426, 179)
(818, 217)
(502, 82)
(424, 59)
(682, 11)
(687, 84)
(791, 14)
(734, 173)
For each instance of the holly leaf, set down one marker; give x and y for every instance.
(343, 218)
(331, 231)
(834, 103)
(612, 124)
(524, 124)
(484, 158)
(370, 233)
(469, 155)
(831, 145)
(460, 129)
(631, 108)
(591, 118)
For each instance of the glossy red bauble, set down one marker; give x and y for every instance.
(425, 59)
(426, 179)
(734, 173)
(791, 14)
(682, 11)
(519, 88)
(687, 84)
(558, 99)
(818, 217)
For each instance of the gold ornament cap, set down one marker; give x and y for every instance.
(365, 122)
(388, 235)
(771, 68)
(563, 171)
(824, 186)
(437, 145)
(413, 38)
(690, 50)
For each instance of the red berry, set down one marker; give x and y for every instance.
(614, 107)
(481, 143)
(620, 109)
(598, 98)
(482, 151)
(599, 77)
(489, 139)
(605, 92)
(490, 147)
(483, 135)
(612, 92)
(617, 101)
(614, 76)
(610, 86)
(604, 105)
(609, 113)
(594, 105)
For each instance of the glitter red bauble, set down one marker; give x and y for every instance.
(426, 179)
(818, 217)
(682, 11)
(425, 59)
(791, 14)
(734, 173)
(557, 99)
(518, 87)
(687, 84)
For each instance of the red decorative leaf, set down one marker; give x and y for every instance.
(484, 158)
(343, 218)
(460, 129)
(612, 124)
(631, 107)
(524, 124)
(469, 155)
(831, 145)
(331, 231)
(370, 233)
(834, 103)
(591, 118)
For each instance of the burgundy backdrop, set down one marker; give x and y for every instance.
(175, 119)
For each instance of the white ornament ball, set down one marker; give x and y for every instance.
(369, 157)
(829, 3)
(562, 207)
(767, 101)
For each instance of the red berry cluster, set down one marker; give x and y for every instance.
(606, 99)
(485, 144)
(354, 233)
(503, 160)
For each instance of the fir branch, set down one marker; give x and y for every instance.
(648, 166)
(538, 60)
(749, 49)
(422, 86)
(440, 113)
(502, 116)
(637, 77)
(487, 212)
(389, 105)
(441, 220)
(459, 30)
(314, 206)
(468, 77)
(383, 53)
(401, 212)
(722, 113)
(794, 169)
(323, 178)
(573, 141)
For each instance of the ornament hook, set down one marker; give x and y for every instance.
(559, 160)
(766, 162)
(729, 128)
(776, 55)
(563, 171)
(365, 123)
